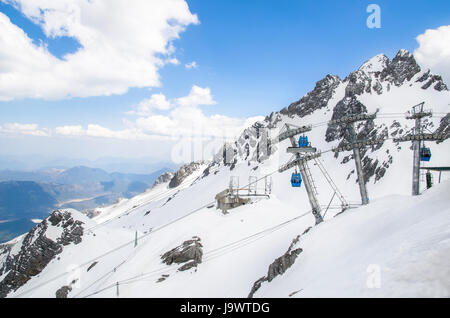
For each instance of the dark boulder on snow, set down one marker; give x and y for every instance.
(189, 252)
(63, 292)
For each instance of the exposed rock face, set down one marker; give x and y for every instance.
(403, 67)
(444, 126)
(375, 65)
(165, 177)
(316, 99)
(280, 265)
(347, 106)
(189, 254)
(367, 78)
(359, 82)
(37, 250)
(364, 130)
(184, 172)
(92, 213)
(430, 79)
(63, 292)
(273, 119)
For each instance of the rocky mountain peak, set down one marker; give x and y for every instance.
(402, 67)
(316, 99)
(376, 64)
(404, 53)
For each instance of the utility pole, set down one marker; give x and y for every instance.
(355, 145)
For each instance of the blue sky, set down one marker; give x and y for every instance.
(254, 56)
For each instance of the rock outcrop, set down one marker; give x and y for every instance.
(185, 171)
(316, 99)
(402, 67)
(165, 177)
(46, 240)
(63, 292)
(279, 265)
(189, 254)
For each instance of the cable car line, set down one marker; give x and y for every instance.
(225, 249)
(167, 224)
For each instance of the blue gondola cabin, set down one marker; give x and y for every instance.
(296, 180)
(425, 154)
(303, 141)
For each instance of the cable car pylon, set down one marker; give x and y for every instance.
(419, 153)
(355, 145)
(301, 162)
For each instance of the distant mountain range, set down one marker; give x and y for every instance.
(75, 175)
(35, 162)
(20, 202)
(28, 195)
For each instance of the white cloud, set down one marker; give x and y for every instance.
(197, 96)
(173, 61)
(191, 65)
(434, 51)
(122, 46)
(186, 129)
(156, 101)
(70, 130)
(187, 118)
(93, 130)
(23, 129)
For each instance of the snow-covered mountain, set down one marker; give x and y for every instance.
(171, 241)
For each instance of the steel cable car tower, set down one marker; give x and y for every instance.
(301, 162)
(419, 154)
(355, 145)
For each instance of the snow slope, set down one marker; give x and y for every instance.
(401, 235)
(406, 240)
